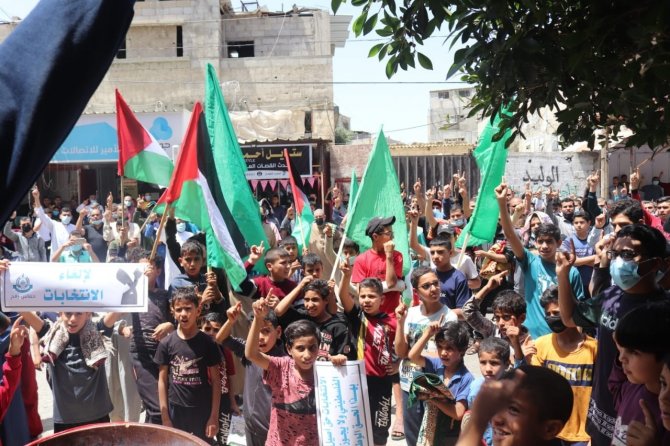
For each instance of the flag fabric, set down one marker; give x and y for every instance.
(140, 156)
(228, 158)
(378, 196)
(303, 213)
(491, 157)
(195, 193)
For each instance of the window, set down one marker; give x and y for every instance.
(241, 49)
(121, 53)
(443, 95)
(464, 93)
(180, 42)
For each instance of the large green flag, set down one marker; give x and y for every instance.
(491, 157)
(228, 158)
(378, 196)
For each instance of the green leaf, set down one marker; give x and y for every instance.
(385, 31)
(424, 61)
(358, 2)
(370, 24)
(335, 5)
(382, 53)
(375, 50)
(357, 26)
(390, 67)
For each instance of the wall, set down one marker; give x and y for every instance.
(621, 161)
(564, 170)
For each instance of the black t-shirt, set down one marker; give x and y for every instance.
(335, 334)
(144, 324)
(187, 361)
(94, 238)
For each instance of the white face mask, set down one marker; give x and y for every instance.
(128, 203)
(181, 227)
(66, 219)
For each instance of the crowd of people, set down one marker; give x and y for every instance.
(566, 310)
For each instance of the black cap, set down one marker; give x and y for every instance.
(446, 228)
(378, 222)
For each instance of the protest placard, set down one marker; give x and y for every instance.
(343, 409)
(28, 286)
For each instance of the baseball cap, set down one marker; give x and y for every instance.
(446, 228)
(378, 222)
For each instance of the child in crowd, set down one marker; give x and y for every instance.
(148, 329)
(291, 380)
(509, 314)
(374, 331)
(454, 290)
(637, 256)
(290, 245)
(192, 260)
(11, 369)
(257, 395)
(539, 270)
(663, 397)
(526, 407)
(641, 337)
(335, 344)
(570, 353)
(412, 323)
(277, 262)
(75, 354)
(228, 406)
(452, 342)
(188, 361)
(494, 360)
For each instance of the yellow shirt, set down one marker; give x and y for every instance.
(577, 368)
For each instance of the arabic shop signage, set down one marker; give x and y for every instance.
(267, 162)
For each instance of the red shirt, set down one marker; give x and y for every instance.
(373, 264)
(374, 340)
(279, 289)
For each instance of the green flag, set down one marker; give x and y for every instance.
(228, 158)
(353, 190)
(490, 157)
(378, 196)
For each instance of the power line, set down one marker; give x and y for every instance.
(128, 81)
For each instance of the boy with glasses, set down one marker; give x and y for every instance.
(633, 261)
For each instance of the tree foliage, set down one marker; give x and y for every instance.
(598, 64)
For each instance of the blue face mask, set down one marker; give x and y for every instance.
(624, 273)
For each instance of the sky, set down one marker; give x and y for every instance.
(402, 109)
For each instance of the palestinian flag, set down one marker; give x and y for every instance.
(140, 156)
(303, 213)
(195, 193)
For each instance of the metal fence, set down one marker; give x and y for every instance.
(436, 170)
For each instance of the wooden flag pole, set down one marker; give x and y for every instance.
(323, 193)
(339, 256)
(160, 230)
(123, 210)
(463, 248)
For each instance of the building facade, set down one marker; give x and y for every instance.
(275, 70)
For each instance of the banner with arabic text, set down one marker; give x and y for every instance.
(28, 286)
(343, 408)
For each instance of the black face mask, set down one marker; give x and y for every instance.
(319, 221)
(27, 227)
(555, 324)
(568, 217)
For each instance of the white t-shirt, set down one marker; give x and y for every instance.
(415, 324)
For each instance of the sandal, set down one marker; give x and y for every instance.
(398, 432)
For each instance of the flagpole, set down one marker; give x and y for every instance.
(160, 230)
(123, 211)
(323, 193)
(463, 248)
(339, 256)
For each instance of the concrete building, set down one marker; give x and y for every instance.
(447, 116)
(275, 69)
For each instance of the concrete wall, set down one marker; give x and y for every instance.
(566, 171)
